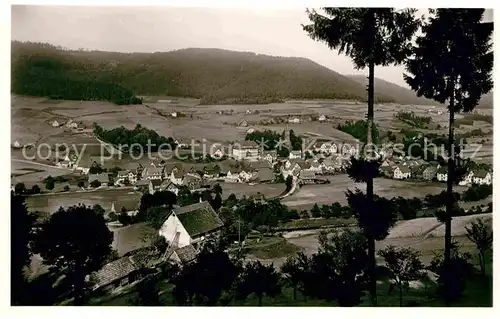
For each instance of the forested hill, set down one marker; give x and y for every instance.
(399, 93)
(406, 96)
(213, 75)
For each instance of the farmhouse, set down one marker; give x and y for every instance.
(482, 177)
(307, 177)
(120, 272)
(177, 176)
(316, 168)
(402, 172)
(295, 154)
(246, 150)
(250, 130)
(442, 174)
(242, 123)
(467, 179)
(122, 176)
(294, 120)
(167, 185)
(261, 164)
(102, 178)
(387, 171)
(191, 225)
(143, 185)
(265, 175)
(184, 255)
(211, 170)
(429, 172)
(155, 185)
(270, 156)
(153, 172)
(322, 118)
(55, 123)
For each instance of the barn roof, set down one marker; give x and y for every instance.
(199, 218)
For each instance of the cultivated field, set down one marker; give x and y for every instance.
(105, 197)
(308, 195)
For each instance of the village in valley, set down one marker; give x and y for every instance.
(167, 187)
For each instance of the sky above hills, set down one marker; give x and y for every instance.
(149, 29)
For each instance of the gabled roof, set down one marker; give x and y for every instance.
(198, 219)
(113, 271)
(432, 169)
(248, 144)
(123, 173)
(153, 170)
(142, 182)
(480, 173)
(102, 178)
(265, 175)
(186, 254)
(156, 182)
(307, 175)
(443, 170)
(178, 173)
(270, 152)
(404, 169)
(130, 238)
(261, 164)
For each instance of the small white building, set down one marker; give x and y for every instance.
(250, 130)
(294, 120)
(322, 118)
(482, 177)
(191, 225)
(295, 155)
(442, 174)
(467, 179)
(402, 172)
(173, 114)
(55, 123)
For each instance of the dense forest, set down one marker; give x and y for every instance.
(44, 70)
(213, 75)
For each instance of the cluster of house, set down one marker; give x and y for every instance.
(185, 230)
(60, 123)
(404, 168)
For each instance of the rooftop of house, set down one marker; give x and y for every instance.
(129, 238)
(123, 173)
(156, 182)
(248, 144)
(481, 173)
(102, 178)
(186, 254)
(307, 175)
(261, 164)
(198, 219)
(153, 170)
(404, 169)
(431, 169)
(265, 175)
(113, 271)
(443, 170)
(142, 182)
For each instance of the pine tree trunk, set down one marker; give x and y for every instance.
(260, 300)
(294, 293)
(369, 182)
(449, 191)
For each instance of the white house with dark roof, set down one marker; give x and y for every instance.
(295, 154)
(246, 150)
(270, 156)
(442, 174)
(322, 118)
(482, 177)
(402, 172)
(191, 225)
(152, 172)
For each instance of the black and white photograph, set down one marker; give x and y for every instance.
(250, 156)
